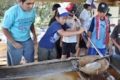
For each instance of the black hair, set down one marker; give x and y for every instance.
(86, 6)
(108, 14)
(23, 1)
(53, 18)
(55, 6)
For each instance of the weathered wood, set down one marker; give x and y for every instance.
(71, 0)
(60, 0)
(32, 69)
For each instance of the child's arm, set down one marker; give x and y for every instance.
(73, 28)
(88, 42)
(78, 39)
(70, 33)
(90, 30)
(115, 43)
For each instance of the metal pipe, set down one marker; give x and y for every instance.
(93, 44)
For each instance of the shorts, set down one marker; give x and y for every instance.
(46, 54)
(82, 43)
(68, 47)
(92, 51)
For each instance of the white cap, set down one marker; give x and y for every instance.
(63, 12)
(91, 2)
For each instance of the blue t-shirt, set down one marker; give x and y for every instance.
(99, 43)
(51, 35)
(18, 22)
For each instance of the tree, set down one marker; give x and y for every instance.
(5, 4)
(43, 10)
(44, 13)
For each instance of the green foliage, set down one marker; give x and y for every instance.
(79, 8)
(5, 4)
(43, 11)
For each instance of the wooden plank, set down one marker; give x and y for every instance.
(71, 0)
(60, 0)
(3, 49)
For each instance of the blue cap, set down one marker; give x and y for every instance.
(91, 2)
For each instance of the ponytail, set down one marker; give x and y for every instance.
(53, 18)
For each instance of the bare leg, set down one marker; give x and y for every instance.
(86, 51)
(78, 52)
(63, 56)
(72, 55)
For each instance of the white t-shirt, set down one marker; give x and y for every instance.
(86, 17)
(71, 39)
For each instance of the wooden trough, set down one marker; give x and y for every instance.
(46, 67)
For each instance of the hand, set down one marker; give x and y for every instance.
(17, 45)
(112, 25)
(88, 44)
(34, 39)
(75, 19)
(81, 30)
(77, 46)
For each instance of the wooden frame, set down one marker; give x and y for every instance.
(72, 0)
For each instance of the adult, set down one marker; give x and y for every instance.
(16, 26)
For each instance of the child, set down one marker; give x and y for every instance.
(99, 31)
(85, 21)
(46, 48)
(115, 37)
(70, 44)
(57, 44)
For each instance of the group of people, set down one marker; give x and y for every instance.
(64, 36)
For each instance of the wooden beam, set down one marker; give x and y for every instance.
(72, 0)
(60, 0)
